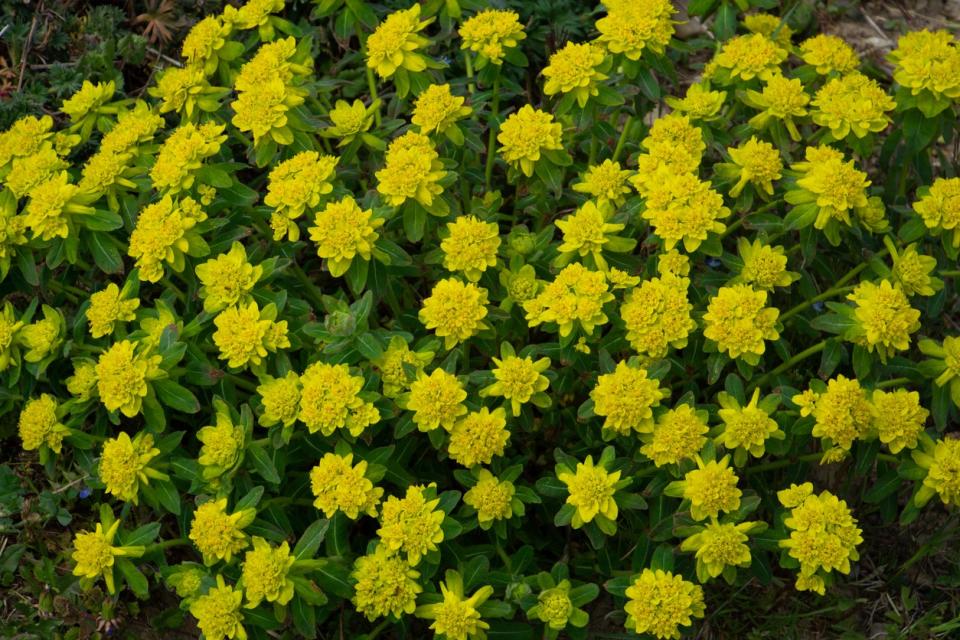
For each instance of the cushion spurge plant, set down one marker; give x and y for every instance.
(440, 320)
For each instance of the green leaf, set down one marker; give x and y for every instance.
(648, 84)
(304, 617)
(335, 579)
(142, 536)
(725, 22)
(134, 578)
(337, 536)
(176, 396)
(105, 254)
(311, 539)
(262, 463)
(885, 485)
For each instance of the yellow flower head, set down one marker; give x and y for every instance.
(479, 436)
(347, 120)
(203, 43)
(223, 443)
(281, 400)
(673, 145)
(395, 42)
(626, 398)
(746, 428)
(411, 525)
(631, 27)
(339, 485)
(30, 171)
(24, 138)
(162, 235)
(898, 417)
(525, 135)
(39, 425)
(262, 110)
(911, 271)
(575, 69)
(747, 57)
(491, 34)
(884, 318)
(455, 311)
(758, 163)
(42, 337)
(245, 334)
(183, 89)
(385, 585)
(265, 573)
(739, 321)
(517, 380)
(217, 534)
(771, 26)
(125, 464)
(491, 497)
(107, 307)
(854, 104)
(683, 208)
(123, 376)
(699, 102)
(436, 109)
(436, 400)
(470, 246)
(835, 187)
(87, 100)
(52, 205)
(829, 54)
(342, 231)
(328, 397)
(679, 434)
(782, 100)
(711, 489)
(83, 383)
(279, 61)
(928, 61)
(659, 603)
(555, 608)
(576, 295)
(586, 233)
(413, 171)
(842, 413)
(218, 612)
(94, 554)
(399, 366)
(718, 546)
(943, 471)
(295, 185)
(764, 267)
(939, 207)
(183, 154)
(591, 491)
(227, 279)
(657, 313)
(457, 617)
(607, 183)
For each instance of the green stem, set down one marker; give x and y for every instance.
(829, 293)
(736, 224)
(951, 274)
(242, 383)
(504, 557)
(469, 64)
(493, 125)
(803, 355)
(166, 544)
(372, 86)
(622, 140)
(377, 629)
(779, 464)
(886, 384)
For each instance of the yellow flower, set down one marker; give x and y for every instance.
(52, 205)
(43, 337)
(492, 34)
(555, 608)
(631, 27)
(348, 120)
(591, 491)
(626, 398)
(823, 538)
(203, 44)
(758, 163)
(928, 63)
(939, 207)
(218, 612)
(911, 271)
(339, 485)
(262, 110)
(747, 57)
(587, 233)
(764, 267)
(659, 603)
(329, 397)
(699, 102)
(575, 69)
(83, 383)
(30, 171)
(25, 137)
(673, 145)
(436, 110)
(94, 554)
(829, 54)
(222, 443)
(657, 313)
(184, 89)
(12, 234)
(898, 418)
(266, 573)
(163, 234)
(342, 231)
(39, 425)
(281, 61)
(842, 413)
(455, 311)
(607, 183)
(88, 101)
(739, 321)
(245, 334)
(125, 464)
(854, 104)
(399, 366)
(295, 185)
(457, 617)
(831, 186)
(183, 154)
(795, 494)
(771, 26)
(413, 171)
(944, 365)
(884, 318)
(107, 307)
(395, 42)
(227, 279)
(679, 434)
(411, 525)
(747, 428)
(720, 546)
(385, 585)
(281, 400)
(525, 135)
(576, 295)
(683, 208)
(478, 437)
(518, 380)
(436, 400)
(218, 534)
(470, 246)
(491, 497)
(941, 460)
(123, 376)
(711, 489)
(782, 100)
